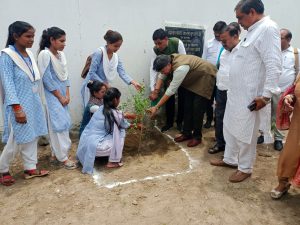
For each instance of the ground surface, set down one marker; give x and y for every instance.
(162, 184)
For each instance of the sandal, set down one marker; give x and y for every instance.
(70, 165)
(6, 179)
(28, 174)
(278, 194)
(111, 165)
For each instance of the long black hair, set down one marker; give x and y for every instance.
(52, 32)
(17, 28)
(108, 105)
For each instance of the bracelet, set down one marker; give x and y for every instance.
(17, 108)
(156, 91)
(157, 107)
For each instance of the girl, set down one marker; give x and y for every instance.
(97, 91)
(105, 62)
(104, 135)
(53, 68)
(24, 119)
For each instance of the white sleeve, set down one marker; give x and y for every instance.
(204, 54)
(94, 108)
(153, 73)
(270, 52)
(178, 77)
(299, 61)
(181, 48)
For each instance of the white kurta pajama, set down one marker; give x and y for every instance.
(55, 77)
(20, 82)
(255, 72)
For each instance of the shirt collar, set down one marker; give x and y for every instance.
(255, 25)
(289, 49)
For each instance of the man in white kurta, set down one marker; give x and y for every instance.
(253, 77)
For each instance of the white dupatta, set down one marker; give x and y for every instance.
(109, 66)
(59, 65)
(22, 64)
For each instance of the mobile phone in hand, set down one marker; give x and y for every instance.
(252, 106)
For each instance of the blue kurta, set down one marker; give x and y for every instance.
(19, 89)
(94, 133)
(96, 71)
(59, 115)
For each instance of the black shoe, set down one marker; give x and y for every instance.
(207, 125)
(278, 146)
(260, 139)
(166, 128)
(215, 149)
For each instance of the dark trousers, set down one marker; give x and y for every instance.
(170, 111)
(221, 99)
(210, 109)
(194, 109)
(180, 106)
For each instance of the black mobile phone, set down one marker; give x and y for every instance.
(252, 106)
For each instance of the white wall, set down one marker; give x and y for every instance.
(86, 21)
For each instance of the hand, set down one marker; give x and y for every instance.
(260, 103)
(288, 100)
(20, 117)
(67, 100)
(63, 100)
(152, 111)
(136, 85)
(153, 96)
(130, 116)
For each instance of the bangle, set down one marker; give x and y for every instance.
(157, 107)
(17, 108)
(156, 91)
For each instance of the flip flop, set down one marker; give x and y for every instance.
(28, 174)
(114, 165)
(6, 179)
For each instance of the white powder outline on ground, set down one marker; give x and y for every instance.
(97, 176)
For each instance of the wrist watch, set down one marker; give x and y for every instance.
(266, 99)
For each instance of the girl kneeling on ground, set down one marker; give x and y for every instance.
(97, 91)
(104, 135)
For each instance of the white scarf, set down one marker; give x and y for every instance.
(59, 65)
(22, 64)
(109, 66)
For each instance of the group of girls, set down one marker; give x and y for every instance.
(35, 98)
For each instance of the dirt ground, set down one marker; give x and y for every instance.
(160, 183)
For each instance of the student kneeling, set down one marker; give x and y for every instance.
(104, 135)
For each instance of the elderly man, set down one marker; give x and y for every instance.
(252, 82)
(166, 46)
(230, 40)
(290, 69)
(197, 77)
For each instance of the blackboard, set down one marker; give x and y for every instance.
(193, 39)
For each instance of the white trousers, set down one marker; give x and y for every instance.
(105, 148)
(60, 144)
(265, 123)
(240, 153)
(28, 153)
